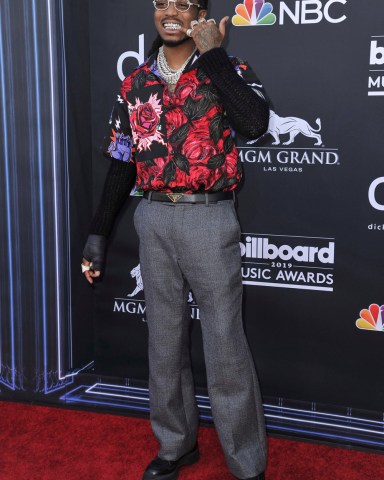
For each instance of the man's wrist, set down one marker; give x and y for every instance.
(94, 250)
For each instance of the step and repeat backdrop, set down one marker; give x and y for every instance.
(311, 208)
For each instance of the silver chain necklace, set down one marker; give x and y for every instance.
(169, 75)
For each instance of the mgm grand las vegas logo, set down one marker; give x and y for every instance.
(290, 145)
(134, 304)
(305, 263)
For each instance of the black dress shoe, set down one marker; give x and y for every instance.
(259, 477)
(160, 469)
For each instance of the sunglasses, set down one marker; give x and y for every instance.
(180, 5)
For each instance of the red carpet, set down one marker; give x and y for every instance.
(40, 443)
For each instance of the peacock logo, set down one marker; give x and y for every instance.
(371, 318)
(254, 12)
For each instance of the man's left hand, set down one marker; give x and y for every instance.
(206, 34)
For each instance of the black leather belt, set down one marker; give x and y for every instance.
(188, 197)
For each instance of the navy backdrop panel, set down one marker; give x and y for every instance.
(311, 207)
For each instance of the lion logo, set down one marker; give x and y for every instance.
(292, 126)
(136, 274)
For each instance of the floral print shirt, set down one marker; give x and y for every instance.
(180, 141)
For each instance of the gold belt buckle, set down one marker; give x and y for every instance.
(174, 197)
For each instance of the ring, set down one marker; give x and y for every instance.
(194, 23)
(212, 20)
(85, 268)
(189, 32)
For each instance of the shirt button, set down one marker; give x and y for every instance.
(173, 127)
(172, 152)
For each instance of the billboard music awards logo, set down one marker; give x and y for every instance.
(134, 303)
(371, 318)
(305, 263)
(252, 13)
(376, 62)
(280, 156)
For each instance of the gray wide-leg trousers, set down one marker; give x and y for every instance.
(197, 246)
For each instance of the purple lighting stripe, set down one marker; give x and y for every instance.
(8, 206)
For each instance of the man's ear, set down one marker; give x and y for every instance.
(203, 13)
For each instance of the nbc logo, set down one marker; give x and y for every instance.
(300, 12)
(254, 12)
(371, 318)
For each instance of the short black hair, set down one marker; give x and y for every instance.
(204, 4)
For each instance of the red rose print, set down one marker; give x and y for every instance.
(145, 120)
(157, 183)
(175, 118)
(199, 146)
(142, 174)
(182, 92)
(126, 86)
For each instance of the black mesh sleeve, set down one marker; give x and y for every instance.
(118, 185)
(242, 95)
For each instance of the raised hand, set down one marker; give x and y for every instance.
(206, 34)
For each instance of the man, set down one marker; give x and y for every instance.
(171, 130)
